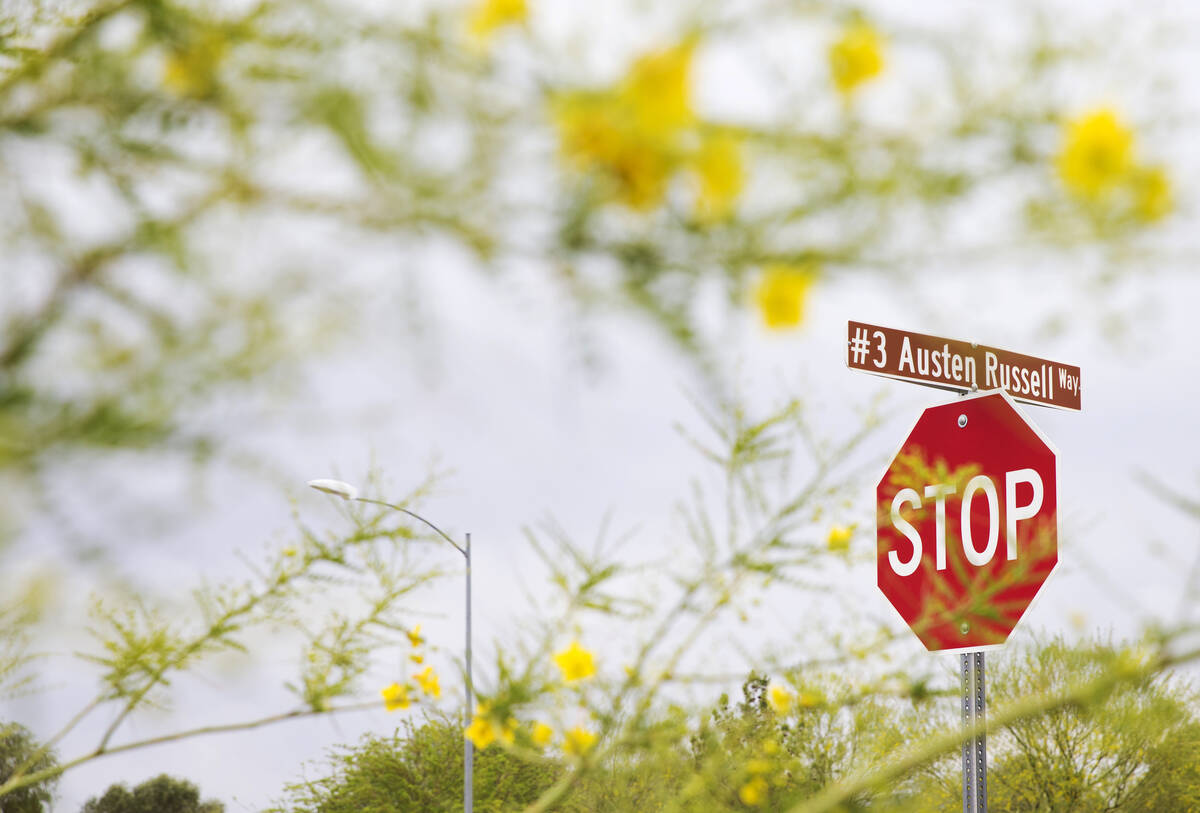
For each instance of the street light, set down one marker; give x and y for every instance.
(349, 492)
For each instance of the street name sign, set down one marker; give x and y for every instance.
(961, 366)
(967, 522)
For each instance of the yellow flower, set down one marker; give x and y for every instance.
(575, 662)
(488, 15)
(508, 732)
(1096, 155)
(190, 70)
(839, 538)
(395, 697)
(1152, 193)
(656, 90)
(770, 747)
(597, 135)
(754, 792)
(541, 734)
(578, 741)
(856, 57)
(780, 699)
(414, 636)
(428, 681)
(481, 732)
(718, 165)
(781, 293)
(417, 658)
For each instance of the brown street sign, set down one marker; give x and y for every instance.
(960, 366)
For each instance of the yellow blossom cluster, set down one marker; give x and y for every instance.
(575, 662)
(428, 681)
(488, 16)
(780, 699)
(486, 729)
(578, 741)
(396, 696)
(856, 57)
(1097, 164)
(635, 136)
(781, 294)
(839, 538)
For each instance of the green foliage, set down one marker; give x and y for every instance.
(419, 769)
(20, 752)
(339, 596)
(162, 794)
(780, 747)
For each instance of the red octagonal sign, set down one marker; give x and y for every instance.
(967, 522)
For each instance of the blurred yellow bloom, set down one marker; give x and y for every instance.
(597, 135)
(1152, 193)
(428, 681)
(414, 636)
(657, 90)
(1096, 155)
(417, 658)
(289, 552)
(488, 15)
(629, 134)
(508, 732)
(771, 747)
(718, 165)
(578, 741)
(754, 792)
(780, 699)
(839, 538)
(781, 294)
(541, 734)
(481, 731)
(190, 70)
(575, 662)
(856, 57)
(395, 697)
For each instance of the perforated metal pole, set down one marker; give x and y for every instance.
(974, 749)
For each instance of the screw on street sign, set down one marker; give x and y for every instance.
(967, 522)
(961, 366)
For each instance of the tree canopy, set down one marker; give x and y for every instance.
(162, 794)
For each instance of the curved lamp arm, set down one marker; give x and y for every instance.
(348, 492)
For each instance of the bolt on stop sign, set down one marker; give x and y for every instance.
(967, 522)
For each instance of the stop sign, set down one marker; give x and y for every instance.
(967, 522)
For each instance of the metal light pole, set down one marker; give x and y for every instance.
(349, 492)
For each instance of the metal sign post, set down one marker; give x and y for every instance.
(974, 748)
